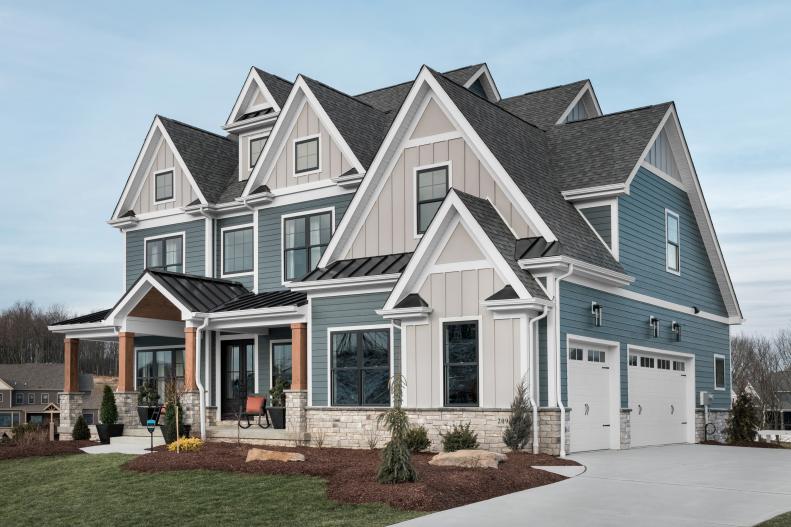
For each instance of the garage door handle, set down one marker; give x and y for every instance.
(606, 425)
(672, 409)
(639, 409)
(587, 408)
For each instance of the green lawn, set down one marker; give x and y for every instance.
(94, 490)
(784, 520)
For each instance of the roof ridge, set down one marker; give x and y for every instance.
(383, 88)
(639, 108)
(336, 90)
(193, 276)
(182, 123)
(278, 77)
(467, 66)
(544, 89)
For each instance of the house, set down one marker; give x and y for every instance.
(434, 229)
(29, 394)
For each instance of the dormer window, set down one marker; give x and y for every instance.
(163, 186)
(256, 146)
(306, 155)
(431, 187)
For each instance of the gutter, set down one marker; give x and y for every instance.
(201, 388)
(534, 385)
(557, 368)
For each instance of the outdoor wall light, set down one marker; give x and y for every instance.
(653, 323)
(597, 310)
(675, 327)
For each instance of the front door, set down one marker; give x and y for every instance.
(237, 375)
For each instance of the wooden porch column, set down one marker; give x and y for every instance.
(190, 383)
(126, 362)
(71, 356)
(299, 356)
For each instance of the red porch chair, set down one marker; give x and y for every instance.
(255, 406)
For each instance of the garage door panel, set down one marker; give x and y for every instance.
(589, 401)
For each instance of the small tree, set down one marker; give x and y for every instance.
(517, 434)
(174, 414)
(108, 413)
(80, 432)
(396, 464)
(744, 420)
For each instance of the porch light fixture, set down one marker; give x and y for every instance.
(597, 310)
(653, 323)
(675, 327)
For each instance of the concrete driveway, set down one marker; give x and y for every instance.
(679, 485)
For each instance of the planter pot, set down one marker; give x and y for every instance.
(277, 414)
(107, 431)
(147, 412)
(170, 435)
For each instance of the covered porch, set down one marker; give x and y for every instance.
(217, 340)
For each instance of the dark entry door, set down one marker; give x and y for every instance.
(238, 375)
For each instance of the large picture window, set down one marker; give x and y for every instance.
(165, 254)
(360, 368)
(237, 250)
(460, 351)
(305, 238)
(281, 362)
(306, 155)
(159, 367)
(672, 242)
(432, 185)
(163, 186)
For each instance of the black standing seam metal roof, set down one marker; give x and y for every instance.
(357, 267)
(96, 316)
(264, 300)
(199, 293)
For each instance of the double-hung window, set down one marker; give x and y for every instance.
(306, 155)
(360, 367)
(163, 186)
(19, 398)
(44, 398)
(31, 398)
(432, 186)
(305, 238)
(460, 353)
(672, 242)
(256, 146)
(237, 250)
(165, 254)
(719, 372)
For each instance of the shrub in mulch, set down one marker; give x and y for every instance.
(352, 474)
(750, 444)
(13, 450)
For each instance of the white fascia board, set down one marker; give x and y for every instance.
(149, 326)
(595, 193)
(516, 305)
(352, 284)
(593, 272)
(586, 88)
(90, 331)
(252, 79)
(670, 111)
(387, 154)
(484, 71)
(406, 313)
(262, 122)
(138, 291)
(180, 160)
(135, 168)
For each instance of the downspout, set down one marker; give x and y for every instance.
(201, 388)
(557, 345)
(534, 385)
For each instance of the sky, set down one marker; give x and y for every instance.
(80, 83)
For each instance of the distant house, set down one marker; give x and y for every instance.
(28, 392)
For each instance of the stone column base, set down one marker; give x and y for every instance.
(126, 402)
(549, 431)
(719, 418)
(71, 404)
(190, 404)
(296, 417)
(626, 428)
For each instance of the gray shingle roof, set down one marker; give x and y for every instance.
(211, 159)
(523, 150)
(536, 247)
(279, 88)
(411, 300)
(356, 267)
(362, 126)
(543, 108)
(500, 235)
(40, 376)
(463, 74)
(602, 150)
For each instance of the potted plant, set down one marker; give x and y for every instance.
(148, 406)
(277, 400)
(108, 415)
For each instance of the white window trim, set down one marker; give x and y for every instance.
(294, 155)
(415, 171)
(152, 348)
(223, 274)
(341, 329)
(669, 269)
(614, 231)
(718, 356)
(272, 355)
(245, 163)
(183, 235)
(283, 219)
(154, 186)
(441, 347)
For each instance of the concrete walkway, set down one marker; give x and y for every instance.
(679, 485)
(125, 445)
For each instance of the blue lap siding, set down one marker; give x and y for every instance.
(247, 279)
(270, 236)
(194, 248)
(626, 321)
(342, 311)
(642, 246)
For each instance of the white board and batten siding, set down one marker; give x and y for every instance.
(183, 193)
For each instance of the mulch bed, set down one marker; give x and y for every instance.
(351, 474)
(750, 444)
(42, 448)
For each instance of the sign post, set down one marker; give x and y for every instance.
(151, 425)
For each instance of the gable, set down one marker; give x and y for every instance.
(255, 99)
(163, 159)
(432, 122)
(460, 247)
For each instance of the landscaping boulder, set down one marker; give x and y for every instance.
(259, 454)
(468, 459)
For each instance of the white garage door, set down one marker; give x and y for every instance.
(589, 398)
(658, 391)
